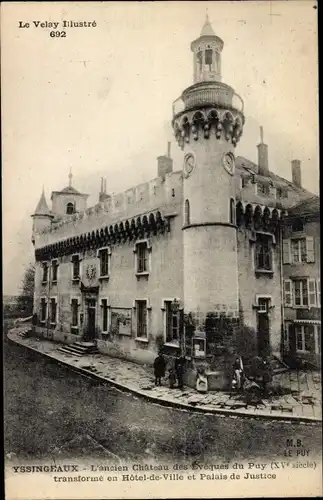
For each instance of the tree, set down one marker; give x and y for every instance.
(26, 298)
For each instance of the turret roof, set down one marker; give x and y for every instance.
(42, 207)
(207, 29)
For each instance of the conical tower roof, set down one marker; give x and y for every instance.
(207, 29)
(42, 207)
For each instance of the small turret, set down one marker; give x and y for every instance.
(42, 216)
(68, 201)
(207, 55)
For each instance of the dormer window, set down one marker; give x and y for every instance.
(297, 225)
(70, 208)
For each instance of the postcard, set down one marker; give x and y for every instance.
(161, 240)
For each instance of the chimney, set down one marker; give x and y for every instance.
(263, 168)
(103, 196)
(296, 173)
(165, 163)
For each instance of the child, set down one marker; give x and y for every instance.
(159, 368)
(171, 378)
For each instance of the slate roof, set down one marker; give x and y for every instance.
(207, 29)
(42, 207)
(310, 206)
(247, 165)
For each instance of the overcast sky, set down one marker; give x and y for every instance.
(100, 100)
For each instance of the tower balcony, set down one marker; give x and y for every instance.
(208, 94)
(206, 107)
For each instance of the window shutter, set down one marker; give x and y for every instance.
(288, 293)
(286, 252)
(311, 292)
(310, 249)
(318, 292)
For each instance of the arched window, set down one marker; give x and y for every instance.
(208, 58)
(70, 208)
(232, 211)
(187, 213)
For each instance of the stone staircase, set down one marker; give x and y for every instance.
(79, 348)
(22, 331)
(278, 366)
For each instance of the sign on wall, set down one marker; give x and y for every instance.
(121, 321)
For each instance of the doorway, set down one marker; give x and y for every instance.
(263, 327)
(91, 322)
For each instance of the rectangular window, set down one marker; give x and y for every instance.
(45, 272)
(104, 262)
(286, 252)
(171, 323)
(74, 307)
(141, 308)
(311, 292)
(301, 292)
(76, 267)
(288, 293)
(263, 304)
(54, 270)
(298, 250)
(142, 257)
(318, 291)
(304, 337)
(104, 312)
(43, 310)
(287, 333)
(53, 310)
(262, 189)
(318, 332)
(310, 257)
(299, 337)
(264, 252)
(208, 57)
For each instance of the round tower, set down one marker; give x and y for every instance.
(207, 122)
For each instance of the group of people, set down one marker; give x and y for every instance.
(175, 373)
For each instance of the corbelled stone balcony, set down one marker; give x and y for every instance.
(208, 94)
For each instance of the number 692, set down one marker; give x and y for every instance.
(57, 34)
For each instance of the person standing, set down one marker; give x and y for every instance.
(159, 368)
(238, 373)
(179, 369)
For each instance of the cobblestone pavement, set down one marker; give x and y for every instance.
(301, 401)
